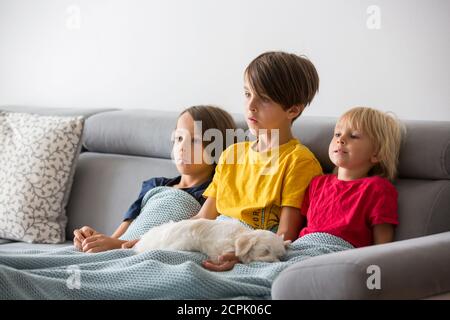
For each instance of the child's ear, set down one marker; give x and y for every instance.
(374, 159)
(295, 111)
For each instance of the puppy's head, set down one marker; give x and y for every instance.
(260, 245)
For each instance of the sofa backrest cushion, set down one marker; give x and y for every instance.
(425, 153)
(134, 132)
(131, 132)
(424, 207)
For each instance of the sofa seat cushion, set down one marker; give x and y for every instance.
(14, 246)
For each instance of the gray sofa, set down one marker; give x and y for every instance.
(122, 148)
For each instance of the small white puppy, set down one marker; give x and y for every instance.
(215, 238)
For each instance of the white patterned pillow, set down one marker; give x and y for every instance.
(37, 163)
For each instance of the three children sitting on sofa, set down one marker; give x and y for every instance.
(357, 203)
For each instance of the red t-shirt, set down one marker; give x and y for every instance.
(349, 209)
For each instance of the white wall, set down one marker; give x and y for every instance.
(169, 54)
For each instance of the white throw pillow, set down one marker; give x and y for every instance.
(37, 163)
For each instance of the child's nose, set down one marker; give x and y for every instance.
(251, 105)
(183, 147)
(179, 148)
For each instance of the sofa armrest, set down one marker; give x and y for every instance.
(409, 269)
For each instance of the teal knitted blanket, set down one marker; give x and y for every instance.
(160, 205)
(121, 274)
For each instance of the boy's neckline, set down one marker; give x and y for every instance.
(253, 144)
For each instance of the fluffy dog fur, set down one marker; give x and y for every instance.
(215, 238)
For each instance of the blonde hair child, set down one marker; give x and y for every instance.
(358, 203)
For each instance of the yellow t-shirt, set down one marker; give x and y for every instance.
(255, 186)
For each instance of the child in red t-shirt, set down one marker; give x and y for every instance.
(358, 203)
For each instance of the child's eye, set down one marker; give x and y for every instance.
(178, 139)
(354, 136)
(337, 134)
(265, 99)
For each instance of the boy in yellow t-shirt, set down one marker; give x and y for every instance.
(262, 183)
(244, 191)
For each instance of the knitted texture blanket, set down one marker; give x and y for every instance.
(67, 273)
(160, 205)
(121, 274)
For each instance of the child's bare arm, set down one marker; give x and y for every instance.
(121, 229)
(208, 210)
(383, 233)
(291, 221)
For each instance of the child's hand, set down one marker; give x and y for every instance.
(226, 262)
(129, 244)
(81, 234)
(99, 242)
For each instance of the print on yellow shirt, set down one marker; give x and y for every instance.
(262, 218)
